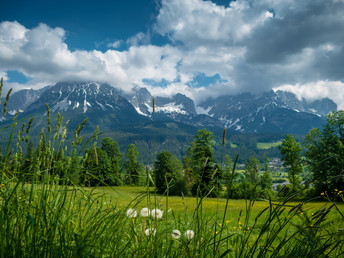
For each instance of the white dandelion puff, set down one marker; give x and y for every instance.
(131, 213)
(176, 234)
(189, 234)
(156, 213)
(150, 231)
(145, 212)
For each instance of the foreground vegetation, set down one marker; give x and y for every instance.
(50, 219)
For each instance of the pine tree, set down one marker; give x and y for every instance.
(202, 164)
(132, 168)
(167, 169)
(111, 148)
(291, 156)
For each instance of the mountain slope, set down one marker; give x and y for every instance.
(278, 112)
(100, 103)
(271, 112)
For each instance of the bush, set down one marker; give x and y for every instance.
(310, 193)
(284, 190)
(178, 188)
(279, 181)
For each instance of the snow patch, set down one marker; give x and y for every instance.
(150, 109)
(171, 108)
(109, 105)
(102, 107)
(76, 105)
(13, 112)
(62, 105)
(140, 112)
(201, 110)
(85, 104)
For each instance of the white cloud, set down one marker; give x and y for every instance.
(319, 89)
(196, 22)
(137, 39)
(251, 46)
(42, 54)
(115, 44)
(4, 76)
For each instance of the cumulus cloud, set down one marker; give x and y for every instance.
(115, 44)
(42, 54)
(251, 46)
(139, 38)
(316, 90)
(257, 45)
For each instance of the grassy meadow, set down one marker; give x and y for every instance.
(50, 219)
(268, 145)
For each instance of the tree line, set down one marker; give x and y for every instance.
(197, 173)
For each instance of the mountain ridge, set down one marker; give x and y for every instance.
(278, 111)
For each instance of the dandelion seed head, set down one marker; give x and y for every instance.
(156, 213)
(176, 234)
(189, 234)
(150, 231)
(145, 212)
(131, 213)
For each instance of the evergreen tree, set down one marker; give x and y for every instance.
(166, 168)
(203, 167)
(251, 170)
(251, 184)
(132, 168)
(325, 153)
(291, 156)
(111, 148)
(265, 182)
(189, 176)
(97, 166)
(228, 166)
(266, 179)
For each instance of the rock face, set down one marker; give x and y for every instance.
(22, 99)
(271, 112)
(100, 103)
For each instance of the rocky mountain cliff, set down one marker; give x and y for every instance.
(271, 112)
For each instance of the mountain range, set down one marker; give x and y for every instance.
(104, 105)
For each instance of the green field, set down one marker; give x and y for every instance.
(233, 145)
(268, 145)
(60, 220)
(122, 196)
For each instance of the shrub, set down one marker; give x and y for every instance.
(178, 188)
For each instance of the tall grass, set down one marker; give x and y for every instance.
(47, 214)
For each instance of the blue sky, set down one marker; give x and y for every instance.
(199, 48)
